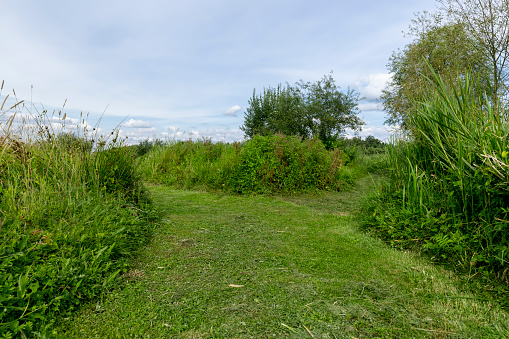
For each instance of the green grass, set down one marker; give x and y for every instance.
(223, 266)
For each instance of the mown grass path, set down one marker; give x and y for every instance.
(223, 266)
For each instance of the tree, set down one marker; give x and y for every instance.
(307, 109)
(487, 22)
(275, 110)
(445, 47)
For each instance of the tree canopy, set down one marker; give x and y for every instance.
(443, 47)
(487, 23)
(309, 110)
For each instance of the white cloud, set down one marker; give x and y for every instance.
(379, 132)
(215, 135)
(224, 135)
(232, 111)
(131, 123)
(66, 121)
(369, 106)
(172, 128)
(371, 86)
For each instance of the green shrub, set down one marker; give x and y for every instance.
(115, 172)
(281, 163)
(146, 146)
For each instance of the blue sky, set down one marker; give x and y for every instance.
(184, 69)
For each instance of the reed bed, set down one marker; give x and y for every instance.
(449, 183)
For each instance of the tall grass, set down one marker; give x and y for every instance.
(264, 164)
(69, 216)
(449, 182)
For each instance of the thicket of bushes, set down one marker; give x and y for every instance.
(69, 218)
(449, 183)
(264, 164)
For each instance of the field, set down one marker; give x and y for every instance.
(272, 237)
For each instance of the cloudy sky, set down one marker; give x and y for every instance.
(180, 69)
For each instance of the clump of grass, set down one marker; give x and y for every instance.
(72, 207)
(264, 164)
(449, 181)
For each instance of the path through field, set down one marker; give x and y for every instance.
(223, 266)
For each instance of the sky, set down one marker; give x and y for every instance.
(186, 69)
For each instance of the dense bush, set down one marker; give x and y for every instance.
(449, 183)
(280, 163)
(274, 163)
(68, 218)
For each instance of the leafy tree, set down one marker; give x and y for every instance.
(306, 109)
(447, 48)
(275, 110)
(486, 22)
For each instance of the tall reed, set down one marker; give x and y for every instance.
(449, 188)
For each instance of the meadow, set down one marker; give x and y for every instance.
(275, 235)
(75, 209)
(267, 164)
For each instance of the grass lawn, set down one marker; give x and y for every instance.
(224, 266)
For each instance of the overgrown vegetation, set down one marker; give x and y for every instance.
(449, 183)
(265, 164)
(70, 216)
(146, 146)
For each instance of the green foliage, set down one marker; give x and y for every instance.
(274, 163)
(189, 164)
(68, 217)
(74, 143)
(369, 146)
(115, 174)
(448, 49)
(449, 183)
(308, 110)
(486, 22)
(281, 163)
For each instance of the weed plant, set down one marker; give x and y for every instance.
(264, 164)
(449, 183)
(71, 210)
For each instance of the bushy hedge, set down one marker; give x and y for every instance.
(264, 164)
(68, 218)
